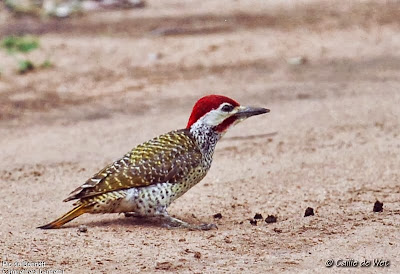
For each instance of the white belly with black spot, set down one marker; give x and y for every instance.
(146, 200)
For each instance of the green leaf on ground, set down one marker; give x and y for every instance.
(46, 64)
(22, 44)
(25, 65)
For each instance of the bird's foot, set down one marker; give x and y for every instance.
(205, 227)
(173, 223)
(189, 226)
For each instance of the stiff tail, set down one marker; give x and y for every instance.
(69, 216)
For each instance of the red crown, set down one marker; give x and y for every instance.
(206, 104)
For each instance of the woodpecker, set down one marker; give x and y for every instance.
(146, 180)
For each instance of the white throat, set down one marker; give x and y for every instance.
(206, 138)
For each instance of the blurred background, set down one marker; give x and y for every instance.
(117, 55)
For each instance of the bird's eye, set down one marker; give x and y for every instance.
(227, 108)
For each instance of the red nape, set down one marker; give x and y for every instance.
(206, 104)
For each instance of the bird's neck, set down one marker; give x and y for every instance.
(206, 138)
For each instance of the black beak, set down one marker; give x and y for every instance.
(246, 112)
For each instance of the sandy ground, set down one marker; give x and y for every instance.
(331, 141)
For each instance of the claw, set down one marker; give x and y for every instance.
(170, 226)
(173, 223)
(207, 226)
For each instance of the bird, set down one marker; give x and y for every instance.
(147, 179)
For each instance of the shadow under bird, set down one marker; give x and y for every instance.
(146, 180)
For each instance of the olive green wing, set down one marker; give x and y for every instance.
(168, 157)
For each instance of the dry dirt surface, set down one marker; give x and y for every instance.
(328, 70)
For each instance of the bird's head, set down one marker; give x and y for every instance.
(220, 112)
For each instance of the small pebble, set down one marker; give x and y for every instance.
(154, 56)
(270, 219)
(378, 206)
(258, 216)
(227, 240)
(253, 222)
(197, 255)
(163, 265)
(298, 60)
(82, 228)
(309, 212)
(217, 216)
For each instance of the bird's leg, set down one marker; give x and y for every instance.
(171, 222)
(133, 214)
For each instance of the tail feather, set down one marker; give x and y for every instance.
(69, 216)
